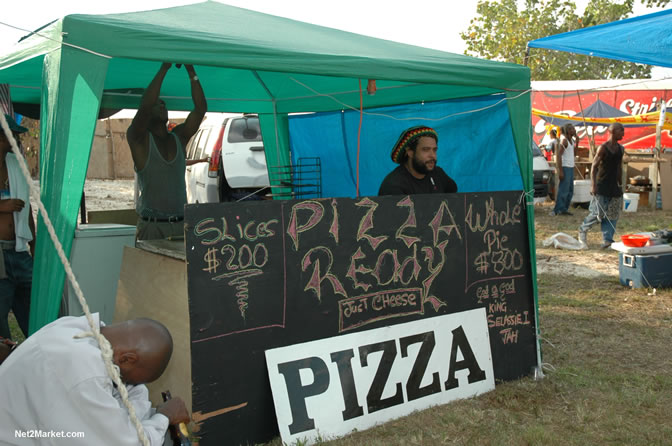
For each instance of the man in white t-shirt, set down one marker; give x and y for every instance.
(564, 167)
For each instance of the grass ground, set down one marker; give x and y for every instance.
(608, 364)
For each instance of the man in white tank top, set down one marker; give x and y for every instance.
(564, 167)
(159, 159)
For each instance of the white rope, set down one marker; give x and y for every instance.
(625, 83)
(312, 90)
(606, 215)
(57, 41)
(251, 193)
(527, 197)
(105, 347)
(548, 366)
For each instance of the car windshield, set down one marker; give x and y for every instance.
(535, 149)
(245, 129)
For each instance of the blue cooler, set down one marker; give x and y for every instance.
(653, 270)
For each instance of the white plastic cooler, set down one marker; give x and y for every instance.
(96, 255)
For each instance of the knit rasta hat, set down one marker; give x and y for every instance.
(407, 135)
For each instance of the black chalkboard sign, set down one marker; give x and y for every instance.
(267, 274)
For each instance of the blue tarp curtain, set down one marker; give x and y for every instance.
(476, 146)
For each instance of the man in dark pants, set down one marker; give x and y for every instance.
(17, 236)
(605, 179)
(564, 165)
(417, 173)
(159, 159)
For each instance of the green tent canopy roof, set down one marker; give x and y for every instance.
(246, 60)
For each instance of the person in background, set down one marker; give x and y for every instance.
(17, 236)
(416, 153)
(606, 189)
(552, 145)
(56, 380)
(564, 167)
(159, 159)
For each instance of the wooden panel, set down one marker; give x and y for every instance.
(118, 216)
(155, 286)
(636, 168)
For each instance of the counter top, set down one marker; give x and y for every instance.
(168, 248)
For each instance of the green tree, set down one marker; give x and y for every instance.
(500, 31)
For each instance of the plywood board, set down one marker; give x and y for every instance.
(166, 247)
(119, 216)
(155, 286)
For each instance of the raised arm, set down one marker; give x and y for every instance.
(193, 121)
(562, 145)
(593, 169)
(619, 170)
(138, 129)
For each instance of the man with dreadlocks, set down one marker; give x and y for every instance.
(417, 173)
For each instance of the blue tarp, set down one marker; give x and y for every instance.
(476, 148)
(645, 39)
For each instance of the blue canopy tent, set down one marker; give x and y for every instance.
(597, 109)
(645, 39)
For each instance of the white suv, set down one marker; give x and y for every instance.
(236, 167)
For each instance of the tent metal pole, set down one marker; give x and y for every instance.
(526, 59)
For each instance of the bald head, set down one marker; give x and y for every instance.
(142, 349)
(617, 131)
(616, 126)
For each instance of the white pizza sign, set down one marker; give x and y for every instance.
(327, 388)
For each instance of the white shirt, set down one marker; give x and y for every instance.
(53, 382)
(568, 154)
(18, 188)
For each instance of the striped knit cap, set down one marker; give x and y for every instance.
(401, 145)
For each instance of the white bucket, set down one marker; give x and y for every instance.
(630, 202)
(581, 191)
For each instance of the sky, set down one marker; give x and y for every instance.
(432, 24)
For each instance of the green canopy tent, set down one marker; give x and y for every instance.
(247, 62)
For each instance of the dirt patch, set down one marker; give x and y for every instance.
(593, 262)
(588, 264)
(109, 194)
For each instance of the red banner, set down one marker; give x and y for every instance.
(632, 102)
